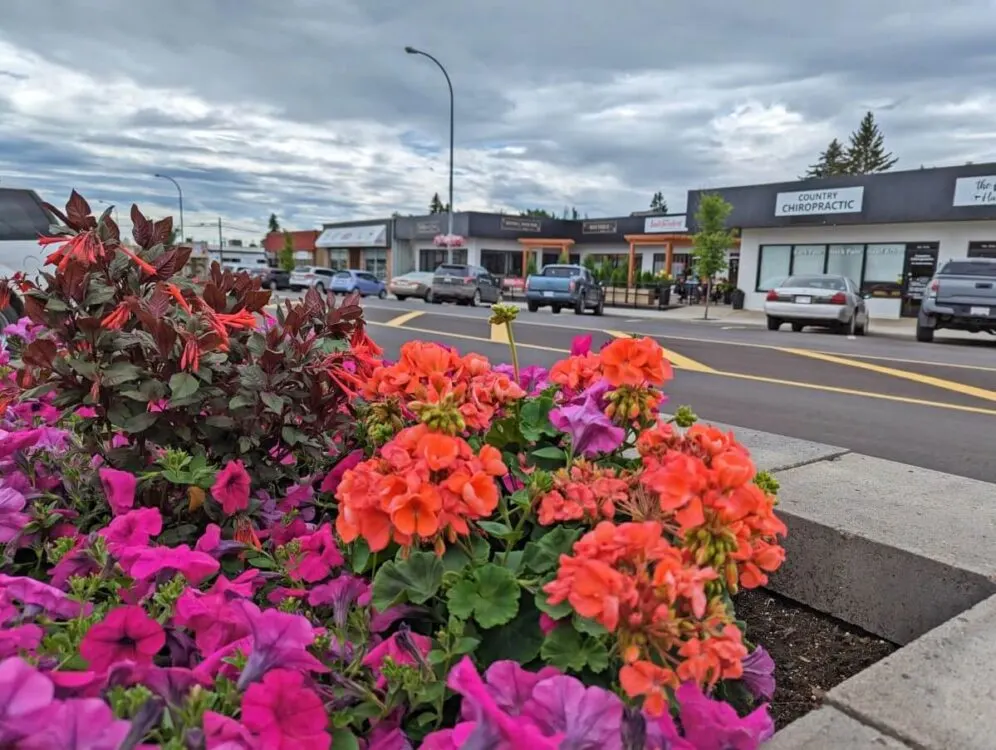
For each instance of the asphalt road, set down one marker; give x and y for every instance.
(931, 405)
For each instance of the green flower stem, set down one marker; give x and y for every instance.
(516, 535)
(511, 345)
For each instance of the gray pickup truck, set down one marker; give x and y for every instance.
(960, 297)
(560, 286)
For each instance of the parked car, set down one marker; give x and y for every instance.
(364, 282)
(414, 284)
(23, 219)
(465, 285)
(560, 286)
(820, 300)
(319, 277)
(274, 278)
(960, 297)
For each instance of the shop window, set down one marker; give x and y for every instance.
(884, 270)
(774, 265)
(375, 262)
(847, 261)
(808, 259)
(660, 262)
(339, 259)
(429, 259)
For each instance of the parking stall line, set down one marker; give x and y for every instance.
(677, 360)
(400, 320)
(950, 385)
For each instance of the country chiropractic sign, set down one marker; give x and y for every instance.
(819, 202)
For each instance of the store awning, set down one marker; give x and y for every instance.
(371, 235)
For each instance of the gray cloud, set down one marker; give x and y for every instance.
(310, 108)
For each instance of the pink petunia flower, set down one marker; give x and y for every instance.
(86, 412)
(133, 529)
(24, 694)
(21, 638)
(209, 614)
(231, 488)
(714, 725)
(125, 633)
(77, 724)
(284, 714)
(317, 556)
(32, 593)
(759, 673)
(12, 520)
(223, 733)
(119, 489)
(332, 479)
(148, 562)
(341, 593)
(278, 639)
(392, 648)
(158, 406)
(547, 624)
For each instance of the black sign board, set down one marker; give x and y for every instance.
(918, 269)
(982, 249)
(521, 224)
(598, 227)
(428, 228)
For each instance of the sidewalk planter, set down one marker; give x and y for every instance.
(737, 298)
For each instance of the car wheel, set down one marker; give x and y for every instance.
(923, 334)
(774, 323)
(434, 299)
(273, 286)
(428, 297)
(382, 294)
(862, 329)
(533, 307)
(797, 327)
(579, 306)
(476, 299)
(400, 297)
(555, 309)
(600, 307)
(320, 288)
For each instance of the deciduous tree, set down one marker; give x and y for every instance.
(712, 240)
(287, 253)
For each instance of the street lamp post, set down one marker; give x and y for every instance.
(449, 83)
(180, 193)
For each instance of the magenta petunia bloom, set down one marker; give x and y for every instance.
(35, 594)
(15, 442)
(119, 489)
(583, 716)
(714, 725)
(392, 647)
(581, 345)
(759, 674)
(125, 633)
(231, 488)
(452, 739)
(547, 624)
(25, 694)
(317, 556)
(133, 529)
(591, 432)
(77, 562)
(86, 412)
(223, 733)
(341, 593)
(150, 561)
(208, 614)
(284, 714)
(278, 639)
(511, 685)
(12, 520)
(20, 638)
(77, 724)
(332, 479)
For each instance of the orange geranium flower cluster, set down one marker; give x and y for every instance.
(625, 362)
(584, 491)
(702, 480)
(430, 373)
(421, 486)
(631, 580)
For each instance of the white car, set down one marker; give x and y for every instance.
(317, 276)
(823, 301)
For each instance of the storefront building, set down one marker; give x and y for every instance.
(362, 246)
(887, 232)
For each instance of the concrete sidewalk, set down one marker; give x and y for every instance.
(905, 553)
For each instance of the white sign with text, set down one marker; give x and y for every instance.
(975, 191)
(658, 224)
(818, 202)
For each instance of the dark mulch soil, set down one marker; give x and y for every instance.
(813, 652)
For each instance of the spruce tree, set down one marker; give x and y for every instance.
(273, 223)
(657, 203)
(436, 205)
(866, 153)
(832, 161)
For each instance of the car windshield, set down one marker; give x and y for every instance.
(834, 283)
(342, 275)
(969, 268)
(561, 272)
(453, 271)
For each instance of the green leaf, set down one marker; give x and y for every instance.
(544, 554)
(239, 402)
(461, 598)
(83, 367)
(491, 594)
(221, 421)
(465, 645)
(495, 528)
(293, 436)
(504, 432)
(183, 385)
(534, 419)
(118, 373)
(272, 401)
(588, 627)
(140, 422)
(416, 579)
(252, 378)
(134, 396)
(344, 739)
(514, 560)
(596, 655)
(519, 640)
(562, 649)
(556, 611)
(98, 293)
(550, 452)
(360, 556)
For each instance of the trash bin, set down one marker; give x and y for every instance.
(663, 297)
(737, 299)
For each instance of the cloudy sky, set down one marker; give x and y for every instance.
(311, 109)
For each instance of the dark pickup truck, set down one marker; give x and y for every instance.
(561, 286)
(960, 297)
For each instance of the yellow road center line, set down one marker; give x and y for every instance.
(916, 377)
(677, 360)
(403, 318)
(499, 333)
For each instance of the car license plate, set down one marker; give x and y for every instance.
(981, 312)
(803, 300)
(547, 294)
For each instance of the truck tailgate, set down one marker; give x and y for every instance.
(966, 290)
(548, 284)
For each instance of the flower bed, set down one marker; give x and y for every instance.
(226, 529)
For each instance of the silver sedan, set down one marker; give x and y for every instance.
(823, 301)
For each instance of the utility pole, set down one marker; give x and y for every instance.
(179, 192)
(220, 242)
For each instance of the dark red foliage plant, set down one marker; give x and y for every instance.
(156, 361)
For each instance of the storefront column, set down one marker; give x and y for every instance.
(525, 261)
(632, 262)
(669, 254)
